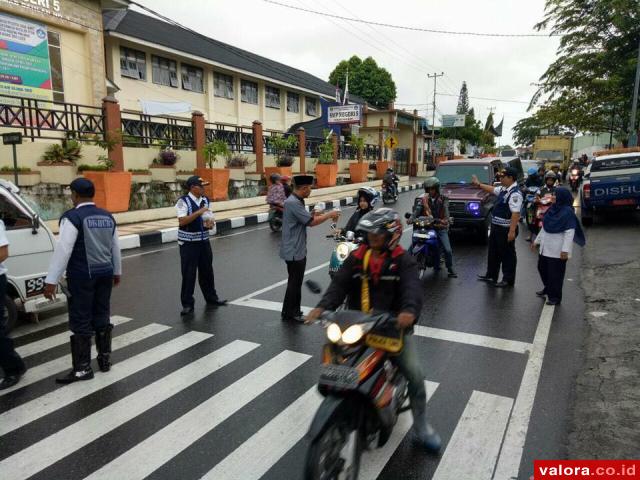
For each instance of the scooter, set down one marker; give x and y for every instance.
(575, 178)
(425, 245)
(345, 244)
(530, 207)
(275, 218)
(389, 195)
(543, 205)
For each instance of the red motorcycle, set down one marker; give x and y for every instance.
(543, 205)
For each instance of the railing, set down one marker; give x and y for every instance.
(371, 152)
(140, 130)
(239, 139)
(268, 144)
(346, 151)
(312, 146)
(42, 119)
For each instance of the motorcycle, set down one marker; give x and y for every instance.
(346, 244)
(543, 205)
(575, 177)
(530, 207)
(275, 218)
(364, 392)
(425, 244)
(389, 195)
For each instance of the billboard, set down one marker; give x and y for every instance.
(344, 114)
(24, 59)
(449, 121)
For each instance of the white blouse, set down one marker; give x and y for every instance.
(552, 244)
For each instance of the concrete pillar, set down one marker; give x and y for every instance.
(302, 147)
(365, 111)
(334, 140)
(380, 140)
(113, 124)
(258, 146)
(199, 138)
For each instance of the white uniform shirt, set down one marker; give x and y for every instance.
(553, 244)
(62, 253)
(515, 200)
(4, 241)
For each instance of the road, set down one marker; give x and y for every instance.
(229, 393)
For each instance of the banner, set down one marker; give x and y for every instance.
(24, 59)
(344, 114)
(449, 121)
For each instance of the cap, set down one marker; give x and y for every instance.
(83, 187)
(511, 172)
(301, 180)
(196, 180)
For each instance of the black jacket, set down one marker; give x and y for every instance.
(397, 290)
(353, 221)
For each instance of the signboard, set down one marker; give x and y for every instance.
(344, 114)
(13, 138)
(24, 59)
(449, 121)
(391, 142)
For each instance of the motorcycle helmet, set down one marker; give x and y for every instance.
(274, 177)
(371, 195)
(532, 171)
(389, 170)
(431, 182)
(550, 174)
(383, 221)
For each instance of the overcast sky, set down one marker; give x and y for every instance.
(497, 68)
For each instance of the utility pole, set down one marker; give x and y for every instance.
(633, 134)
(433, 124)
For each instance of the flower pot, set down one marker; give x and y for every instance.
(113, 190)
(440, 158)
(25, 179)
(326, 175)
(182, 176)
(358, 172)
(237, 174)
(218, 178)
(141, 177)
(268, 171)
(381, 168)
(60, 173)
(163, 173)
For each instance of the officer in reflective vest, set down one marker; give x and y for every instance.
(504, 229)
(88, 250)
(195, 220)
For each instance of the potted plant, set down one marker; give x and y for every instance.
(58, 163)
(113, 189)
(281, 145)
(237, 164)
(442, 147)
(218, 178)
(140, 175)
(358, 172)
(163, 168)
(326, 169)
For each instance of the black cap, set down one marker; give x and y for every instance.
(196, 180)
(511, 172)
(83, 187)
(301, 180)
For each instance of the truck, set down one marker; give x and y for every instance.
(553, 149)
(610, 182)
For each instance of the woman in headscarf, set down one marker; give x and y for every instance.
(560, 228)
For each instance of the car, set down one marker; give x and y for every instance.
(469, 206)
(515, 162)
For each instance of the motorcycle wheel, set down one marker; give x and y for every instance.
(420, 259)
(275, 224)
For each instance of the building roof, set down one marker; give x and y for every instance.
(155, 31)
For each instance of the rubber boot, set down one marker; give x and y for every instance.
(103, 346)
(81, 360)
(425, 433)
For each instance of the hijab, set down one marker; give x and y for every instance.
(561, 216)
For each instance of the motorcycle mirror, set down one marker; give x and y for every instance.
(407, 215)
(313, 286)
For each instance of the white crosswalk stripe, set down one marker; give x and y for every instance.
(28, 328)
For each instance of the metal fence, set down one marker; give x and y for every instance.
(140, 130)
(54, 120)
(239, 139)
(269, 148)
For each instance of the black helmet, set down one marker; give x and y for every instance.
(383, 221)
(389, 170)
(431, 182)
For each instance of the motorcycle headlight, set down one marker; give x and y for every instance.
(431, 234)
(352, 334)
(333, 333)
(574, 172)
(474, 208)
(342, 251)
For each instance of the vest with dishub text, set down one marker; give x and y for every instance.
(501, 211)
(195, 231)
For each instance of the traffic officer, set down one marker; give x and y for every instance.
(293, 249)
(88, 250)
(504, 229)
(196, 258)
(10, 362)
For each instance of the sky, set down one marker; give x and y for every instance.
(497, 68)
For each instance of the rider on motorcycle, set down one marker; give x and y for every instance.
(550, 179)
(285, 179)
(276, 195)
(431, 203)
(367, 199)
(534, 178)
(392, 286)
(391, 180)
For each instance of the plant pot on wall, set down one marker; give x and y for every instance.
(282, 171)
(113, 190)
(163, 173)
(381, 168)
(25, 179)
(60, 173)
(326, 175)
(358, 172)
(218, 178)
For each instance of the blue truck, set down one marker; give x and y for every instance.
(611, 182)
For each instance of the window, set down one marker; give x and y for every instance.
(310, 106)
(249, 92)
(13, 216)
(193, 79)
(223, 85)
(133, 63)
(293, 102)
(55, 59)
(164, 71)
(272, 97)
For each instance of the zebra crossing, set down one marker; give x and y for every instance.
(474, 445)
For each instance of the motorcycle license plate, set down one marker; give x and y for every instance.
(340, 376)
(420, 235)
(388, 344)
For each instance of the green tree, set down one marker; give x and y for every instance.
(366, 80)
(463, 100)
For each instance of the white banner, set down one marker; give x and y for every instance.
(453, 121)
(344, 114)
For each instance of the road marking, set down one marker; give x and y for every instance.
(23, 330)
(474, 446)
(56, 340)
(46, 452)
(598, 314)
(258, 454)
(168, 442)
(374, 462)
(511, 453)
(52, 401)
(45, 370)
(265, 305)
(473, 339)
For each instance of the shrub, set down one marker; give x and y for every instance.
(214, 149)
(281, 145)
(93, 168)
(11, 169)
(168, 156)
(70, 151)
(238, 161)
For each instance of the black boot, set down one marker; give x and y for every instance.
(81, 359)
(103, 346)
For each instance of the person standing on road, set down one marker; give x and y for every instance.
(88, 250)
(293, 249)
(195, 220)
(10, 362)
(504, 229)
(560, 228)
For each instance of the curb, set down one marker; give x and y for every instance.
(169, 235)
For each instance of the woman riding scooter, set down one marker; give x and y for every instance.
(367, 199)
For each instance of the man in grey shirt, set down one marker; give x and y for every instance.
(293, 249)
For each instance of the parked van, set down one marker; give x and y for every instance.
(30, 249)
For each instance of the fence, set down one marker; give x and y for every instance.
(140, 130)
(346, 151)
(239, 139)
(269, 148)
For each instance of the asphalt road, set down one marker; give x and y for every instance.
(229, 393)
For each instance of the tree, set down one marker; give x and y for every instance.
(463, 100)
(366, 80)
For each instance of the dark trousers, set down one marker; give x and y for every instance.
(10, 361)
(89, 304)
(502, 253)
(197, 258)
(293, 297)
(552, 272)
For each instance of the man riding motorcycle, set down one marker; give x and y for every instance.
(391, 180)
(535, 177)
(390, 284)
(550, 179)
(436, 205)
(367, 199)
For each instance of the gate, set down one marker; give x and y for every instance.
(401, 158)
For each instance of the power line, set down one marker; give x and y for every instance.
(474, 98)
(413, 29)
